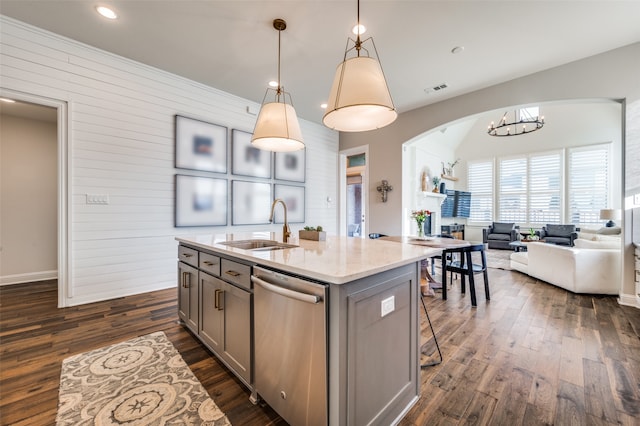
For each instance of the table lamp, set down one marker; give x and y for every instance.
(609, 214)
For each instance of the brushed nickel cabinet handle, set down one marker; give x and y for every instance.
(221, 300)
(233, 273)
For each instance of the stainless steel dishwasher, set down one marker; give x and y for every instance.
(290, 329)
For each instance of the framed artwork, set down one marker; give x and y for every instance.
(293, 197)
(290, 165)
(247, 160)
(200, 145)
(200, 201)
(251, 202)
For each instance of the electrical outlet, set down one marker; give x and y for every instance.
(387, 306)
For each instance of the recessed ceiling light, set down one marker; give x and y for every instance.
(106, 12)
(359, 29)
(323, 106)
(7, 100)
(273, 83)
(457, 49)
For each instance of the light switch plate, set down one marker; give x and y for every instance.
(97, 199)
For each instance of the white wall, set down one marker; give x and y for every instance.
(29, 199)
(121, 143)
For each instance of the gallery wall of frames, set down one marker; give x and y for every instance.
(222, 179)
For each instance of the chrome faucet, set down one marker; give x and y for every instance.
(286, 232)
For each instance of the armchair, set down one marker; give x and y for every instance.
(563, 235)
(499, 234)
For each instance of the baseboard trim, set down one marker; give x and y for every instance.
(629, 300)
(28, 277)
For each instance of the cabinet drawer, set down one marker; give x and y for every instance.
(188, 255)
(236, 273)
(210, 264)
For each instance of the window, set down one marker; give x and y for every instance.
(589, 183)
(480, 178)
(530, 189)
(545, 188)
(512, 192)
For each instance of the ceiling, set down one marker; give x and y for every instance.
(232, 46)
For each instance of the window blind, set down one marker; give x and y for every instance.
(480, 179)
(589, 183)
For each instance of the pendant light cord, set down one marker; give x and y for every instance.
(280, 25)
(358, 42)
(279, 42)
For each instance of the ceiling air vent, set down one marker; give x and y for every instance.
(436, 88)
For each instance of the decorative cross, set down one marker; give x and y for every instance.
(383, 189)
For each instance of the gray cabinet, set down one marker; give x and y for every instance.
(188, 294)
(217, 311)
(226, 323)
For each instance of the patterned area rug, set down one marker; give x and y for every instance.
(143, 381)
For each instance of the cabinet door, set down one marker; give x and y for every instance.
(237, 330)
(188, 295)
(212, 314)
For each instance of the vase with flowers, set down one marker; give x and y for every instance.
(420, 217)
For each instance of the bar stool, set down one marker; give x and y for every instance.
(466, 268)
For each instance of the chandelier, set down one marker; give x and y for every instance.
(522, 122)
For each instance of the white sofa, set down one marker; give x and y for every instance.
(592, 267)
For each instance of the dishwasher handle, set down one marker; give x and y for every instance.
(303, 297)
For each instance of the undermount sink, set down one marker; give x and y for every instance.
(256, 245)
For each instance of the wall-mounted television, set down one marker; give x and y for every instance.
(457, 204)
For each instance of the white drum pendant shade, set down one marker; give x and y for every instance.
(359, 99)
(277, 128)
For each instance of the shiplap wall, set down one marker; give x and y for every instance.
(121, 139)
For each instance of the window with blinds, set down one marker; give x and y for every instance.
(530, 188)
(480, 179)
(545, 188)
(512, 190)
(589, 183)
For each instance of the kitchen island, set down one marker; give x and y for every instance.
(346, 354)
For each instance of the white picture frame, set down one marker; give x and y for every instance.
(246, 159)
(251, 202)
(294, 197)
(290, 165)
(200, 145)
(200, 201)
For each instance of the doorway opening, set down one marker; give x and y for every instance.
(354, 184)
(34, 191)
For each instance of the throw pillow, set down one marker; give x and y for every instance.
(604, 244)
(587, 234)
(502, 228)
(613, 230)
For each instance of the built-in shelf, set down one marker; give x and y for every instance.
(434, 195)
(447, 177)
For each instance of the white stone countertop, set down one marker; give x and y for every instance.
(337, 260)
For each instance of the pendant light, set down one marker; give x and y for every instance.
(359, 99)
(277, 127)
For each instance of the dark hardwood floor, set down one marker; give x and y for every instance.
(535, 354)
